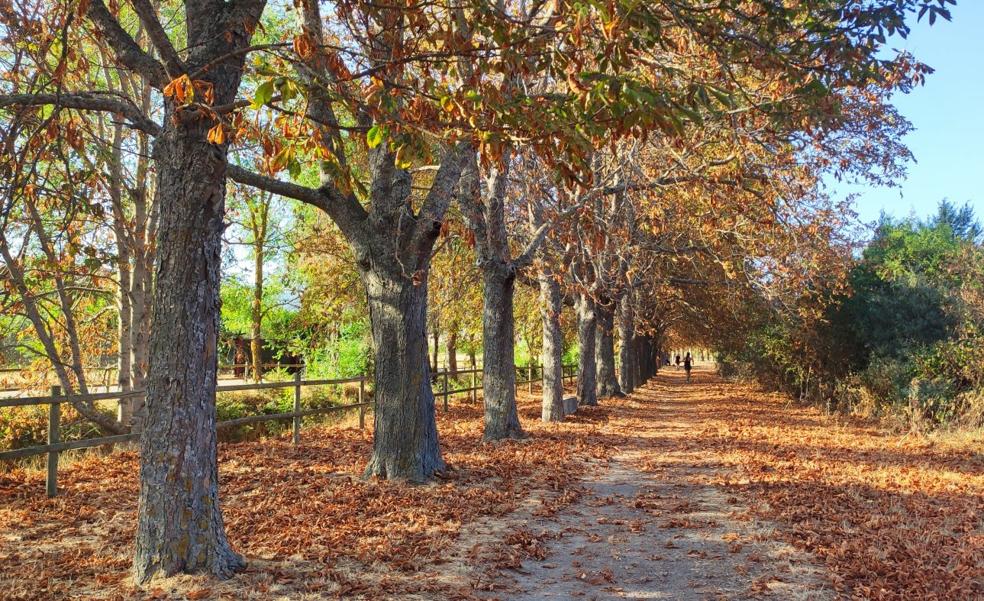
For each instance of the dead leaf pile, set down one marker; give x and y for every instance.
(892, 517)
(303, 516)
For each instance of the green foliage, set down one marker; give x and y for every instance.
(346, 356)
(906, 338)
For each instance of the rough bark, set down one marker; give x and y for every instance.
(605, 351)
(484, 209)
(498, 354)
(453, 351)
(179, 523)
(626, 333)
(405, 430)
(552, 354)
(586, 366)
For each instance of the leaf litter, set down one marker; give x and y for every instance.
(891, 517)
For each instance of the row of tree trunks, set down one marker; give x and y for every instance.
(646, 356)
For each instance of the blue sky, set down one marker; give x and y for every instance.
(948, 116)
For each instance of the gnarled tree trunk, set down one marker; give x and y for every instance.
(553, 348)
(586, 366)
(405, 430)
(605, 350)
(179, 523)
(498, 353)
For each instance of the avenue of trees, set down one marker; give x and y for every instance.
(590, 174)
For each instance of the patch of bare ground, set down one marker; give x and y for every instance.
(652, 524)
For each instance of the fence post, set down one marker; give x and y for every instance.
(445, 377)
(297, 407)
(474, 385)
(54, 419)
(362, 397)
(529, 371)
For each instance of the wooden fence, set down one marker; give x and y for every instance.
(56, 445)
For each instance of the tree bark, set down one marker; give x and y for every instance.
(124, 305)
(179, 523)
(256, 313)
(453, 351)
(552, 353)
(586, 366)
(626, 332)
(405, 430)
(605, 350)
(436, 336)
(498, 353)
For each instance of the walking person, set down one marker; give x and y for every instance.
(678, 361)
(688, 364)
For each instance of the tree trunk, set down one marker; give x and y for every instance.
(626, 332)
(142, 294)
(405, 430)
(605, 351)
(144, 234)
(124, 308)
(179, 523)
(553, 348)
(125, 339)
(498, 353)
(436, 334)
(586, 366)
(453, 351)
(256, 325)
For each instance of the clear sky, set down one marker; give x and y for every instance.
(948, 116)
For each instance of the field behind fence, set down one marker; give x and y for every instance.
(442, 383)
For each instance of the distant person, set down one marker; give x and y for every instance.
(688, 364)
(678, 361)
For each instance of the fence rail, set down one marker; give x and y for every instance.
(56, 399)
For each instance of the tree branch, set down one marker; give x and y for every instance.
(157, 35)
(86, 101)
(345, 211)
(126, 50)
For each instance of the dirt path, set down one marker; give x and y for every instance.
(652, 526)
